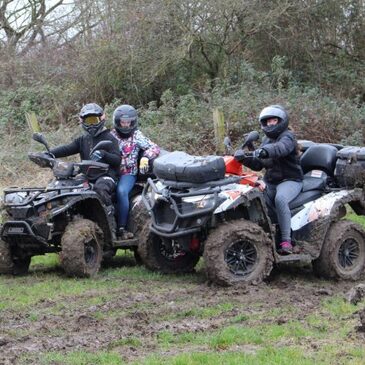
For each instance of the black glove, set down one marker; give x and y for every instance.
(97, 155)
(240, 155)
(261, 153)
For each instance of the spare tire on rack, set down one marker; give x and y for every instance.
(180, 166)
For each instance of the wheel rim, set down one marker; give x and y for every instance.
(90, 252)
(348, 253)
(241, 258)
(170, 250)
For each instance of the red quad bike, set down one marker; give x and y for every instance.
(209, 206)
(67, 217)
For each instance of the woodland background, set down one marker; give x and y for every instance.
(176, 61)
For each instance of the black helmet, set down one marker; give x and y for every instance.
(274, 111)
(128, 114)
(91, 120)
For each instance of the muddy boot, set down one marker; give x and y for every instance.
(123, 234)
(286, 248)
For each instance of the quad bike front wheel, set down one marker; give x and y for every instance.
(11, 265)
(343, 252)
(164, 255)
(81, 244)
(238, 252)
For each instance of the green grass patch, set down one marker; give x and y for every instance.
(268, 356)
(129, 341)
(356, 218)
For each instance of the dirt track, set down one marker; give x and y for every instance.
(140, 309)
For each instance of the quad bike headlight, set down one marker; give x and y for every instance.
(15, 198)
(200, 201)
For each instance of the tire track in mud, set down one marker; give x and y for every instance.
(172, 305)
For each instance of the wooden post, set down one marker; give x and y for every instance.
(219, 130)
(33, 123)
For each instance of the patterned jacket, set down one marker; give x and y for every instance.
(130, 149)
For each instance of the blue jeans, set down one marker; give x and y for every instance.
(125, 185)
(277, 199)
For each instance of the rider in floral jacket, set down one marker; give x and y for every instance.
(132, 145)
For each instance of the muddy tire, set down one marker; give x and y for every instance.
(343, 252)
(81, 243)
(161, 254)
(10, 265)
(139, 217)
(137, 257)
(237, 253)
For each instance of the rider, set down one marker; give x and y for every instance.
(92, 119)
(132, 144)
(283, 179)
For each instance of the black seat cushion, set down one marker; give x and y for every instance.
(314, 180)
(319, 157)
(305, 197)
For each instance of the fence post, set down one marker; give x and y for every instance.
(219, 130)
(32, 121)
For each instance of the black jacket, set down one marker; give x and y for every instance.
(283, 162)
(85, 143)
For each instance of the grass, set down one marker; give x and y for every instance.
(156, 319)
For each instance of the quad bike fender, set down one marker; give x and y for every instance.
(248, 200)
(235, 195)
(90, 207)
(310, 225)
(330, 205)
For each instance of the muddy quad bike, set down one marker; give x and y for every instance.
(67, 217)
(225, 219)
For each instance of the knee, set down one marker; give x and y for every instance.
(281, 201)
(122, 191)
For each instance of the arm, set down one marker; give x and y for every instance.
(248, 160)
(112, 157)
(253, 163)
(283, 147)
(151, 150)
(67, 149)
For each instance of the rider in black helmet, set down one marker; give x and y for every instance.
(283, 178)
(92, 119)
(136, 151)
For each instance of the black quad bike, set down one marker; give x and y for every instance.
(66, 216)
(202, 206)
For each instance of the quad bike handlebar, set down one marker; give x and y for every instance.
(66, 170)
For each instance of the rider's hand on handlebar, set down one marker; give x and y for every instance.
(144, 165)
(97, 155)
(240, 155)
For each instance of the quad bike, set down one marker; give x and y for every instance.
(226, 221)
(67, 217)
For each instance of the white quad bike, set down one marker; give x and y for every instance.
(197, 211)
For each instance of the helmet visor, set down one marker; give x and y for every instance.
(126, 121)
(91, 120)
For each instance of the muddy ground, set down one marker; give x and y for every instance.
(140, 308)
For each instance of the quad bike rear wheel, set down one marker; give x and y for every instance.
(81, 243)
(237, 253)
(343, 252)
(11, 265)
(165, 255)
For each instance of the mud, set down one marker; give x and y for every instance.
(162, 305)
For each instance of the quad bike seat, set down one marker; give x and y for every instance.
(314, 183)
(319, 157)
(318, 163)
(305, 197)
